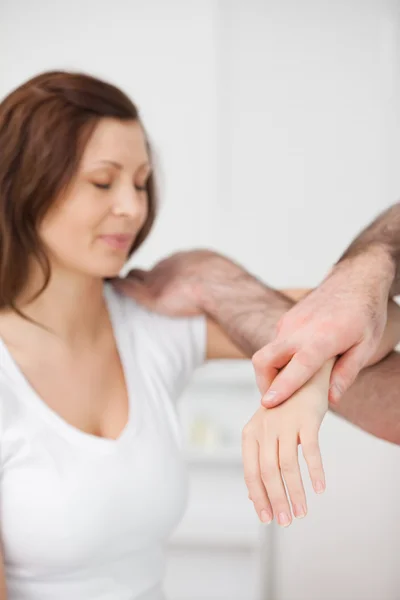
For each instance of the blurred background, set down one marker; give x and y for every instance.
(276, 128)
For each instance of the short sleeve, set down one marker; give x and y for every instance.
(184, 348)
(168, 349)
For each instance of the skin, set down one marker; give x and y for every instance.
(243, 313)
(344, 317)
(107, 196)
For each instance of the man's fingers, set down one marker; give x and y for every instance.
(136, 274)
(300, 369)
(136, 290)
(267, 362)
(345, 371)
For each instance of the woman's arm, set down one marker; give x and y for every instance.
(270, 439)
(270, 451)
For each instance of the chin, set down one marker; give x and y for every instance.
(107, 271)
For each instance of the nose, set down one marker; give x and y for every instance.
(128, 203)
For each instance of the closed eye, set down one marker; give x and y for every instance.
(103, 186)
(107, 186)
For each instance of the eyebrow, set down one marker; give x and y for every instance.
(118, 165)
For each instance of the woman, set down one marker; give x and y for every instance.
(93, 480)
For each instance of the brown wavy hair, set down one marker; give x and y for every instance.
(45, 125)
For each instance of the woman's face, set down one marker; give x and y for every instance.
(93, 226)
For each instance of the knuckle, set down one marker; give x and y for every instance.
(312, 455)
(258, 359)
(256, 497)
(310, 445)
(280, 326)
(268, 471)
(308, 357)
(251, 480)
(347, 377)
(311, 429)
(288, 464)
(248, 431)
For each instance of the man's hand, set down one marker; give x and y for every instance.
(343, 317)
(203, 281)
(174, 286)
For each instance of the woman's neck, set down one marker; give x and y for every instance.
(71, 308)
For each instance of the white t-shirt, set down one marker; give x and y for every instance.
(87, 518)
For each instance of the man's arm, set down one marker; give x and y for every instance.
(373, 401)
(383, 235)
(195, 282)
(247, 310)
(345, 316)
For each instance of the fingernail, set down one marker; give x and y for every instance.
(319, 487)
(265, 516)
(283, 519)
(299, 511)
(270, 396)
(335, 392)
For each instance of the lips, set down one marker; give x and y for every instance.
(118, 241)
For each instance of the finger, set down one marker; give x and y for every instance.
(138, 274)
(300, 369)
(252, 477)
(137, 291)
(267, 362)
(345, 371)
(272, 479)
(290, 469)
(312, 455)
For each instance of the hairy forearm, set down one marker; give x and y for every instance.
(373, 401)
(391, 334)
(381, 242)
(246, 309)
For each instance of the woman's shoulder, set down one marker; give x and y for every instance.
(177, 344)
(10, 404)
(140, 317)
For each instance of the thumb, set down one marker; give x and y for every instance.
(345, 372)
(267, 363)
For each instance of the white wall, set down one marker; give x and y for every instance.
(277, 126)
(163, 55)
(314, 111)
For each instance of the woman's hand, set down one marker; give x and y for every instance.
(270, 451)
